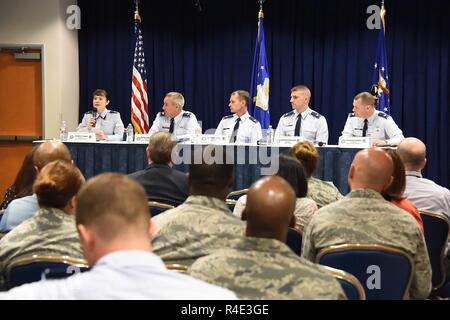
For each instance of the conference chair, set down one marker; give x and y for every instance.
(351, 286)
(158, 207)
(180, 268)
(235, 195)
(384, 271)
(1, 214)
(294, 240)
(231, 204)
(436, 230)
(37, 267)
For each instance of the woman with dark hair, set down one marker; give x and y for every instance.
(23, 184)
(292, 171)
(394, 193)
(51, 231)
(322, 192)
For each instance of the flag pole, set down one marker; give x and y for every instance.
(137, 17)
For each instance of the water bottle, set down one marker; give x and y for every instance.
(270, 135)
(130, 132)
(63, 131)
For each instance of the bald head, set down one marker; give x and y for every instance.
(50, 151)
(413, 153)
(269, 209)
(371, 169)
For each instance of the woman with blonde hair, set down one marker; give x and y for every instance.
(322, 192)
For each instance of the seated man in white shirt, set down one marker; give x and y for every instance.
(240, 127)
(366, 121)
(115, 231)
(302, 121)
(173, 118)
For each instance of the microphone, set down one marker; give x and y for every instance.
(94, 114)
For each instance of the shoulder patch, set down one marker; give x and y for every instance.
(253, 119)
(228, 117)
(383, 115)
(316, 114)
(289, 114)
(186, 115)
(111, 111)
(351, 115)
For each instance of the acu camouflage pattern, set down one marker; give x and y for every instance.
(195, 229)
(258, 268)
(48, 232)
(363, 216)
(322, 192)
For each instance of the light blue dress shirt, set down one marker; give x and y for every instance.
(18, 211)
(130, 274)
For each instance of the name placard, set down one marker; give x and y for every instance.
(141, 137)
(213, 139)
(355, 142)
(290, 141)
(81, 137)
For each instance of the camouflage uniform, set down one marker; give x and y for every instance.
(50, 232)
(322, 192)
(194, 229)
(258, 268)
(363, 216)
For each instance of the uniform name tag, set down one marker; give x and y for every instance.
(81, 137)
(142, 137)
(355, 142)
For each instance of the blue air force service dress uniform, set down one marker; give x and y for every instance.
(313, 126)
(248, 130)
(185, 123)
(108, 121)
(379, 126)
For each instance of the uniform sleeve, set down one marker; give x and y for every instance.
(279, 132)
(256, 133)
(421, 280)
(193, 124)
(322, 130)
(348, 129)
(219, 130)
(156, 125)
(393, 132)
(118, 130)
(308, 250)
(82, 127)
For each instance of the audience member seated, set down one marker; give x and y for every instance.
(115, 231)
(261, 265)
(291, 170)
(424, 193)
(322, 192)
(161, 182)
(363, 216)
(23, 184)
(394, 193)
(52, 230)
(21, 209)
(203, 223)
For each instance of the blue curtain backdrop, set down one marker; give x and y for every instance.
(324, 44)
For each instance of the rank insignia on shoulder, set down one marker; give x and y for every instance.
(228, 117)
(186, 115)
(111, 111)
(383, 115)
(253, 119)
(315, 114)
(351, 115)
(289, 114)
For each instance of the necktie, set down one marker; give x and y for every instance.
(365, 127)
(298, 125)
(172, 123)
(235, 129)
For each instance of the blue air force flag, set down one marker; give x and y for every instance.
(259, 87)
(380, 75)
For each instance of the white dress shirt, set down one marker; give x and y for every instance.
(314, 126)
(185, 123)
(249, 128)
(123, 275)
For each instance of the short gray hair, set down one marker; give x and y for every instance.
(177, 98)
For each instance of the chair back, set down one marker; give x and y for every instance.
(351, 286)
(436, 229)
(158, 207)
(231, 204)
(385, 272)
(235, 195)
(294, 240)
(36, 268)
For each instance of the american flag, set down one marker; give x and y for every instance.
(139, 100)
